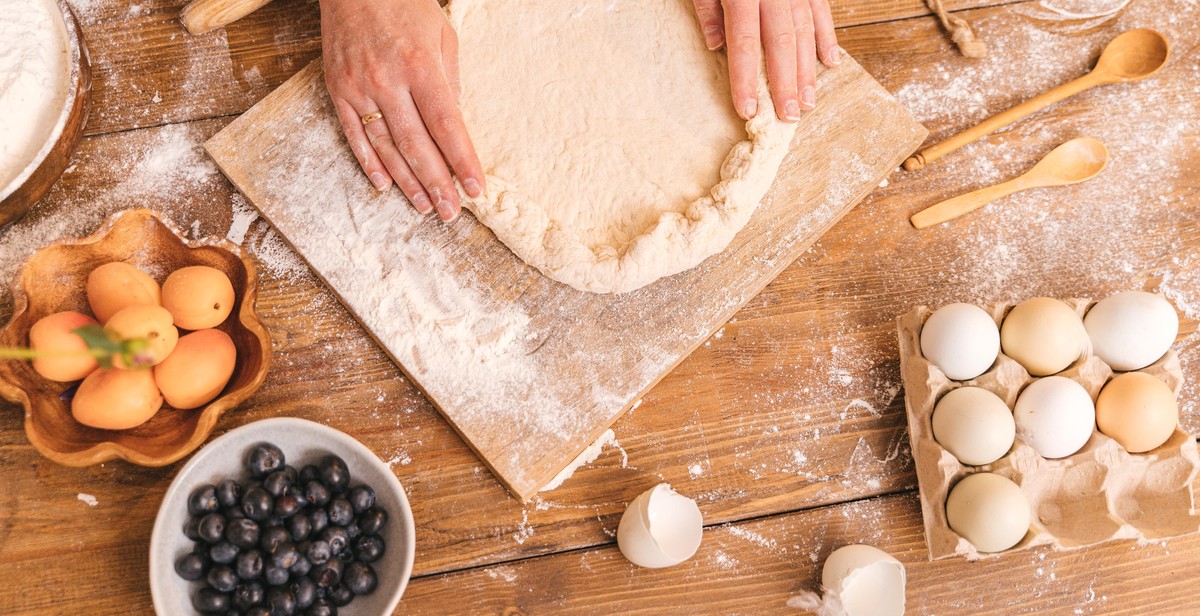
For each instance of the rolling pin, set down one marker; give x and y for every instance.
(200, 16)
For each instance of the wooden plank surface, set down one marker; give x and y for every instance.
(530, 371)
(766, 418)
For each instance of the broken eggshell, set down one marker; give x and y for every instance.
(859, 580)
(660, 528)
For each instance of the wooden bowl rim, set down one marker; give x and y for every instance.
(78, 63)
(108, 450)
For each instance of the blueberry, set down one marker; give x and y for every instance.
(371, 521)
(299, 526)
(243, 533)
(328, 573)
(257, 504)
(210, 601)
(334, 473)
(316, 493)
(369, 548)
(318, 519)
(341, 513)
(258, 610)
(275, 576)
(362, 498)
(286, 506)
(281, 602)
(234, 513)
(276, 483)
(229, 492)
(318, 552)
(305, 592)
(292, 473)
(309, 473)
(301, 568)
(322, 607)
(222, 579)
(248, 595)
(337, 538)
(250, 565)
(360, 578)
(191, 567)
(285, 556)
(223, 552)
(340, 595)
(191, 529)
(203, 500)
(212, 527)
(264, 459)
(272, 538)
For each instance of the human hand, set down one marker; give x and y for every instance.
(793, 33)
(400, 59)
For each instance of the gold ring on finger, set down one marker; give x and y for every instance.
(371, 117)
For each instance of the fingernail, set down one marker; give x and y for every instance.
(712, 37)
(421, 202)
(472, 188)
(446, 211)
(381, 183)
(750, 108)
(808, 96)
(791, 111)
(835, 55)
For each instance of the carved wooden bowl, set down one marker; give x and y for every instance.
(31, 184)
(54, 279)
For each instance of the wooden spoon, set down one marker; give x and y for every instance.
(1133, 55)
(1070, 163)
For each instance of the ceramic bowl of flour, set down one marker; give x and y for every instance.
(45, 96)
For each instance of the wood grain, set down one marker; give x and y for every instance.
(783, 382)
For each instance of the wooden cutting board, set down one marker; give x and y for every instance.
(530, 371)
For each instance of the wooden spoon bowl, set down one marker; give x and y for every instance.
(54, 279)
(52, 159)
(1133, 55)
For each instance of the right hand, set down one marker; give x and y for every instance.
(400, 58)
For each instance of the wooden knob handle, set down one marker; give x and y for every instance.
(1000, 120)
(201, 16)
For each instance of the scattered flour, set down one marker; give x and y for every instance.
(87, 498)
(587, 456)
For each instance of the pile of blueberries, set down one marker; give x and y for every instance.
(284, 542)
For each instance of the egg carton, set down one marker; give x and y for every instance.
(1101, 493)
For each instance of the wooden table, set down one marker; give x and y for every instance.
(787, 427)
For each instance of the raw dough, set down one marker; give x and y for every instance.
(606, 129)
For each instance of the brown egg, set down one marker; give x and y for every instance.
(199, 297)
(198, 370)
(55, 334)
(115, 399)
(153, 323)
(114, 286)
(1138, 411)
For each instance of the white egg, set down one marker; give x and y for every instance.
(660, 528)
(974, 424)
(960, 339)
(866, 580)
(988, 510)
(1055, 416)
(1132, 330)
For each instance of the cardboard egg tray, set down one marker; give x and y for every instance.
(1099, 494)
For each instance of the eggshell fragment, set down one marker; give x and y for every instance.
(1055, 416)
(660, 528)
(197, 370)
(866, 580)
(988, 510)
(974, 425)
(1044, 335)
(1138, 411)
(199, 297)
(114, 286)
(115, 399)
(961, 340)
(55, 334)
(1131, 330)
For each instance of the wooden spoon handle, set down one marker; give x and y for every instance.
(200, 16)
(962, 204)
(1000, 120)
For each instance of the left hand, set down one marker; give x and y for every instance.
(792, 33)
